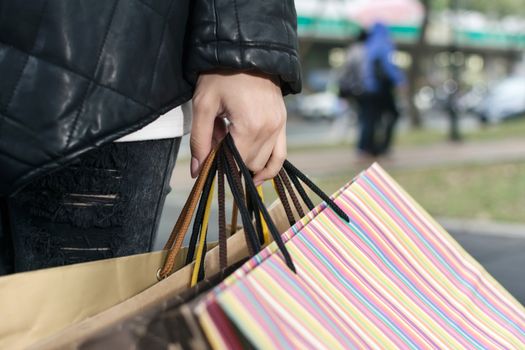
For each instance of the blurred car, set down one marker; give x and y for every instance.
(322, 103)
(321, 106)
(435, 97)
(504, 101)
(470, 101)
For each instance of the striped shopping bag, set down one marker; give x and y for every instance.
(389, 278)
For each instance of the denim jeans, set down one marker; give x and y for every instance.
(378, 116)
(369, 118)
(107, 203)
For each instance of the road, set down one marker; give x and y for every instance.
(501, 256)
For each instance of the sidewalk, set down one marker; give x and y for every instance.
(334, 161)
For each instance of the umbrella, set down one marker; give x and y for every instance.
(390, 12)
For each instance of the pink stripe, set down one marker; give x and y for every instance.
(284, 324)
(228, 334)
(371, 255)
(278, 322)
(306, 302)
(423, 249)
(398, 259)
(451, 251)
(458, 266)
(372, 293)
(349, 296)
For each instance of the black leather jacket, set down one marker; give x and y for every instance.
(75, 74)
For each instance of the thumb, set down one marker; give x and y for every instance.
(204, 114)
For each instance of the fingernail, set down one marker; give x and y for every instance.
(195, 164)
(258, 183)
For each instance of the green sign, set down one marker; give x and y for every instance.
(493, 39)
(326, 27)
(337, 28)
(405, 33)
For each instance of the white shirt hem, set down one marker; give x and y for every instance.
(167, 126)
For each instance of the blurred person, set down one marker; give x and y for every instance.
(75, 76)
(352, 79)
(380, 79)
(351, 85)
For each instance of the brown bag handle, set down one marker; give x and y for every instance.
(224, 160)
(224, 164)
(230, 159)
(291, 192)
(174, 243)
(279, 189)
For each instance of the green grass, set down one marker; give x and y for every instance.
(425, 137)
(512, 128)
(491, 192)
(509, 129)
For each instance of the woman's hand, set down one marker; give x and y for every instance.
(254, 105)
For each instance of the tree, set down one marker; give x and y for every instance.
(415, 70)
(499, 8)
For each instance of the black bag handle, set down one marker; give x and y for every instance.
(229, 163)
(250, 187)
(294, 172)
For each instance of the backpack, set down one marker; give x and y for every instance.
(351, 83)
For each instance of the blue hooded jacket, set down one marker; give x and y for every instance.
(380, 48)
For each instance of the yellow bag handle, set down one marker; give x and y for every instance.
(202, 238)
(266, 231)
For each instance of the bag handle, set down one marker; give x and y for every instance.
(228, 167)
(221, 197)
(234, 181)
(201, 249)
(279, 188)
(288, 186)
(198, 270)
(174, 243)
(265, 231)
(199, 196)
(293, 172)
(230, 164)
(201, 213)
(250, 187)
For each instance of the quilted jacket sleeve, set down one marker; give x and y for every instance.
(245, 34)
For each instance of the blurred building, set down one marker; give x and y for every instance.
(484, 49)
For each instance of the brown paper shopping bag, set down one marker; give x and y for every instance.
(37, 304)
(176, 283)
(237, 249)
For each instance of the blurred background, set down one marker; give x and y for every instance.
(459, 146)
(458, 143)
(463, 111)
